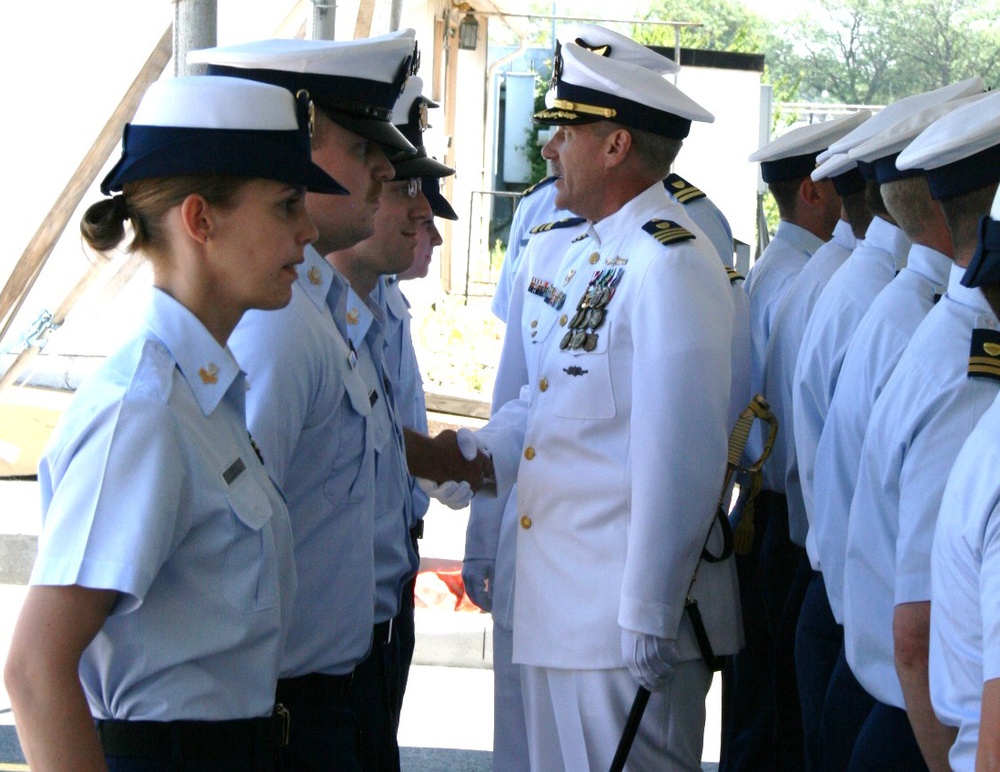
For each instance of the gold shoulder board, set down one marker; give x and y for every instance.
(568, 222)
(984, 358)
(667, 231)
(540, 184)
(681, 189)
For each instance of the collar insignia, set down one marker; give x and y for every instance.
(210, 374)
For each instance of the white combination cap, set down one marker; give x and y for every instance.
(219, 126)
(792, 156)
(960, 152)
(613, 45)
(890, 114)
(355, 82)
(881, 150)
(410, 116)
(591, 88)
(842, 171)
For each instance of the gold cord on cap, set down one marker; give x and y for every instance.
(577, 107)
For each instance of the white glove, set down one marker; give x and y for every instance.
(469, 444)
(451, 493)
(477, 576)
(650, 659)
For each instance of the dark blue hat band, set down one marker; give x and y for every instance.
(431, 187)
(886, 171)
(867, 170)
(964, 176)
(627, 112)
(359, 97)
(984, 268)
(793, 168)
(848, 183)
(170, 151)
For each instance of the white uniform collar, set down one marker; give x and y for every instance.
(882, 234)
(801, 239)
(969, 296)
(635, 213)
(394, 300)
(929, 263)
(315, 277)
(209, 368)
(361, 313)
(843, 234)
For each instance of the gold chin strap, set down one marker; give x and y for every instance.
(604, 112)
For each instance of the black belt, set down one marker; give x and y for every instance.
(312, 688)
(251, 738)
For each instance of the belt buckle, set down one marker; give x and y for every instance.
(283, 724)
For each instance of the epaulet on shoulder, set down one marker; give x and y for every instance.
(540, 184)
(734, 275)
(568, 222)
(153, 371)
(984, 359)
(667, 231)
(681, 189)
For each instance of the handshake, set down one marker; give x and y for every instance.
(451, 467)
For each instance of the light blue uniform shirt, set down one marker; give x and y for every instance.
(309, 411)
(395, 560)
(845, 300)
(769, 279)
(789, 323)
(871, 356)
(151, 487)
(401, 361)
(925, 412)
(965, 589)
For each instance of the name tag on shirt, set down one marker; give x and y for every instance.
(233, 471)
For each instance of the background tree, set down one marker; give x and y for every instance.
(875, 51)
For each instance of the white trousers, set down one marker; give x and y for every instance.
(575, 718)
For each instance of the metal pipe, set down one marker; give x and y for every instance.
(195, 27)
(324, 20)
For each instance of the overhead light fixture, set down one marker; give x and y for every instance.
(468, 32)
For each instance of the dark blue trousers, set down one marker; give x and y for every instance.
(785, 572)
(323, 733)
(375, 698)
(818, 642)
(845, 711)
(887, 743)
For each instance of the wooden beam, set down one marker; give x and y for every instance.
(30, 264)
(363, 26)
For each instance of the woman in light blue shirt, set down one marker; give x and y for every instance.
(160, 597)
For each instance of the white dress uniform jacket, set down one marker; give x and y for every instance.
(151, 487)
(308, 407)
(781, 472)
(619, 451)
(926, 411)
(871, 356)
(538, 206)
(965, 589)
(845, 300)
